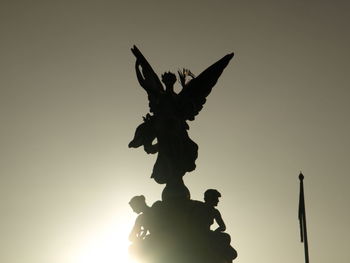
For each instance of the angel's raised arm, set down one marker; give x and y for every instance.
(139, 75)
(147, 78)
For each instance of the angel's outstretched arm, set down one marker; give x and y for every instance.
(139, 75)
(146, 76)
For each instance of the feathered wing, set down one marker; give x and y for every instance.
(194, 93)
(147, 78)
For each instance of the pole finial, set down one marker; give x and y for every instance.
(301, 176)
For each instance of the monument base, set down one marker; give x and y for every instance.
(179, 233)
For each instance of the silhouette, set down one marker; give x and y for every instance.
(211, 198)
(140, 233)
(166, 124)
(140, 229)
(302, 218)
(176, 228)
(170, 231)
(220, 242)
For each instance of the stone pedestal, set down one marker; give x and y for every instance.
(179, 234)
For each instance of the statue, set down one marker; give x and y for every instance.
(140, 233)
(176, 228)
(141, 226)
(168, 228)
(210, 213)
(219, 241)
(167, 124)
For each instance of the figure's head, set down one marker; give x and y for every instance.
(211, 197)
(138, 203)
(169, 79)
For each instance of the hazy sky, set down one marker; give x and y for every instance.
(70, 103)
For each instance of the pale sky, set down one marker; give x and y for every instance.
(70, 103)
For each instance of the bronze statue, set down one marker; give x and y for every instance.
(183, 228)
(177, 228)
(166, 122)
(219, 241)
(141, 226)
(211, 198)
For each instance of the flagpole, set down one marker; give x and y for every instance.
(302, 218)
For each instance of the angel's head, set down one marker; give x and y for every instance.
(169, 80)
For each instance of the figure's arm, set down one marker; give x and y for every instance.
(135, 232)
(138, 74)
(146, 76)
(219, 221)
(148, 85)
(150, 148)
(143, 233)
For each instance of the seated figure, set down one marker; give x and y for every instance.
(219, 241)
(139, 236)
(211, 198)
(141, 226)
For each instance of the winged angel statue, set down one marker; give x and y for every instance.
(164, 129)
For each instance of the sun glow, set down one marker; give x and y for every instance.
(109, 245)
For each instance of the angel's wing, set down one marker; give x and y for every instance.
(194, 93)
(147, 78)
